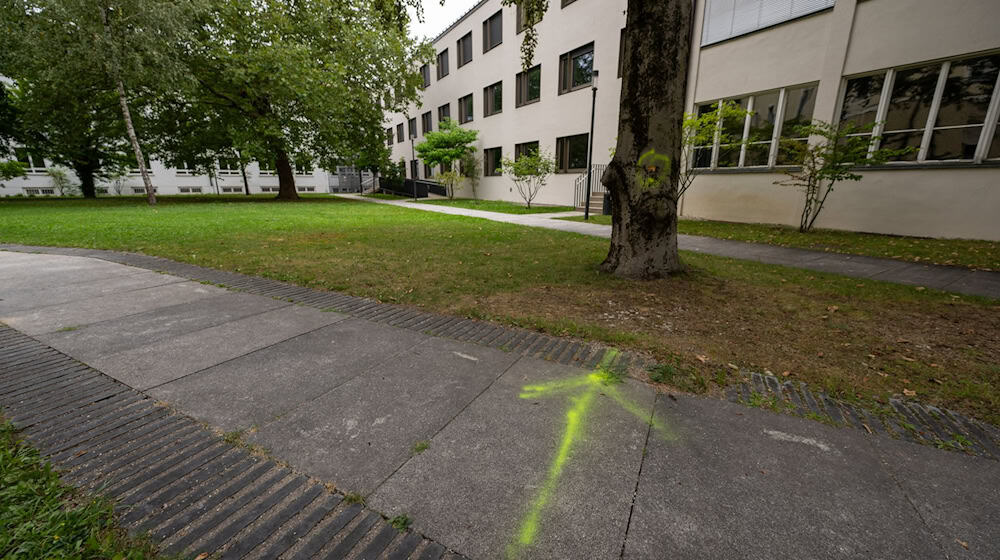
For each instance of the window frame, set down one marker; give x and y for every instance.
(487, 152)
(442, 68)
(566, 3)
(466, 116)
(441, 115)
(411, 126)
(566, 68)
(427, 122)
(29, 159)
(521, 149)
(467, 40)
(774, 142)
(562, 154)
(489, 99)
(521, 87)
(519, 22)
(986, 134)
(399, 133)
(425, 74)
(488, 37)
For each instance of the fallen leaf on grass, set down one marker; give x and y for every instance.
(909, 393)
(701, 358)
(732, 366)
(908, 359)
(786, 373)
(832, 308)
(963, 544)
(201, 556)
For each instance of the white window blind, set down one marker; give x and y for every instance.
(730, 18)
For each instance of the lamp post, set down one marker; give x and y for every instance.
(590, 146)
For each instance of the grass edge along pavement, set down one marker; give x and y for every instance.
(42, 517)
(170, 477)
(900, 419)
(974, 254)
(501, 206)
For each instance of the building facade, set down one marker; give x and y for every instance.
(227, 179)
(922, 74)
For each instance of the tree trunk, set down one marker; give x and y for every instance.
(286, 177)
(87, 187)
(246, 184)
(644, 214)
(127, 115)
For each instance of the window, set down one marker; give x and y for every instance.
(576, 68)
(399, 132)
(185, 168)
(465, 109)
(411, 126)
(524, 149)
(444, 112)
(428, 173)
(621, 54)
(941, 111)
(191, 190)
(729, 18)
(567, 2)
(426, 122)
(571, 153)
(228, 189)
(464, 48)
(755, 140)
(413, 169)
(34, 163)
(425, 73)
(442, 64)
(306, 189)
(491, 162)
(269, 189)
(529, 86)
(493, 31)
(229, 167)
(493, 99)
(388, 136)
(799, 105)
(522, 22)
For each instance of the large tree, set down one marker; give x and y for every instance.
(286, 81)
(127, 48)
(643, 176)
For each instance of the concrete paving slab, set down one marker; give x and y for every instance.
(90, 342)
(52, 271)
(745, 483)
(548, 476)
(977, 282)
(930, 276)
(362, 431)
(957, 496)
(148, 366)
(261, 386)
(853, 265)
(52, 318)
(27, 298)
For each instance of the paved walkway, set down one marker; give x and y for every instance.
(492, 452)
(947, 278)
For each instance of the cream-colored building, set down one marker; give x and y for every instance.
(924, 73)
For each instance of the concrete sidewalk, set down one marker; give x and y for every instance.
(947, 278)
(496, 455)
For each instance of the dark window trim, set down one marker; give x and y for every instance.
(427, 122)
(458, 49)
(487, 35)
(425, 73)
(566, 3)
(521, 92)
(487, 172)
(562, 154)
(487, 99)
(567, 57)
(471, 114)
(445, 66)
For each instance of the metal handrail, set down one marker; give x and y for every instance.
(580, 184)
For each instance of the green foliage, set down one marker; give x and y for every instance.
(42, 518)
(834, 154)
(702, 131)
(652, 171)
(533, 11)
(59, 177)
(446, 145)
(529, 172)
(421, 446)
(354, 498)
(11, 169)
(676, 374)
(471, 167)
(401, 522)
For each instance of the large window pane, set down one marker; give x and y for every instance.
(799, 104)
(731, 138)
(861, 100)
(964, 102)
(702, 155)
(534, 83)
(765, 114)
(583, 68)
(909, 105)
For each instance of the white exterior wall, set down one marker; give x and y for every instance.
(554, 116)
(854, 37)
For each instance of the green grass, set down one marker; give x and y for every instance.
(970, 253)
(40, 517)
(502, 206)
(857, 339)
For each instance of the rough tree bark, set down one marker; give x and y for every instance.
(87, 183)
(286, 176)
(644, 234)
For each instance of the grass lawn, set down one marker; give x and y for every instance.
(42, 518)
(970, 253)
(497, 206)
(854, 338)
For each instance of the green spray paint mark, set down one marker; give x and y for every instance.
(598, 381)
